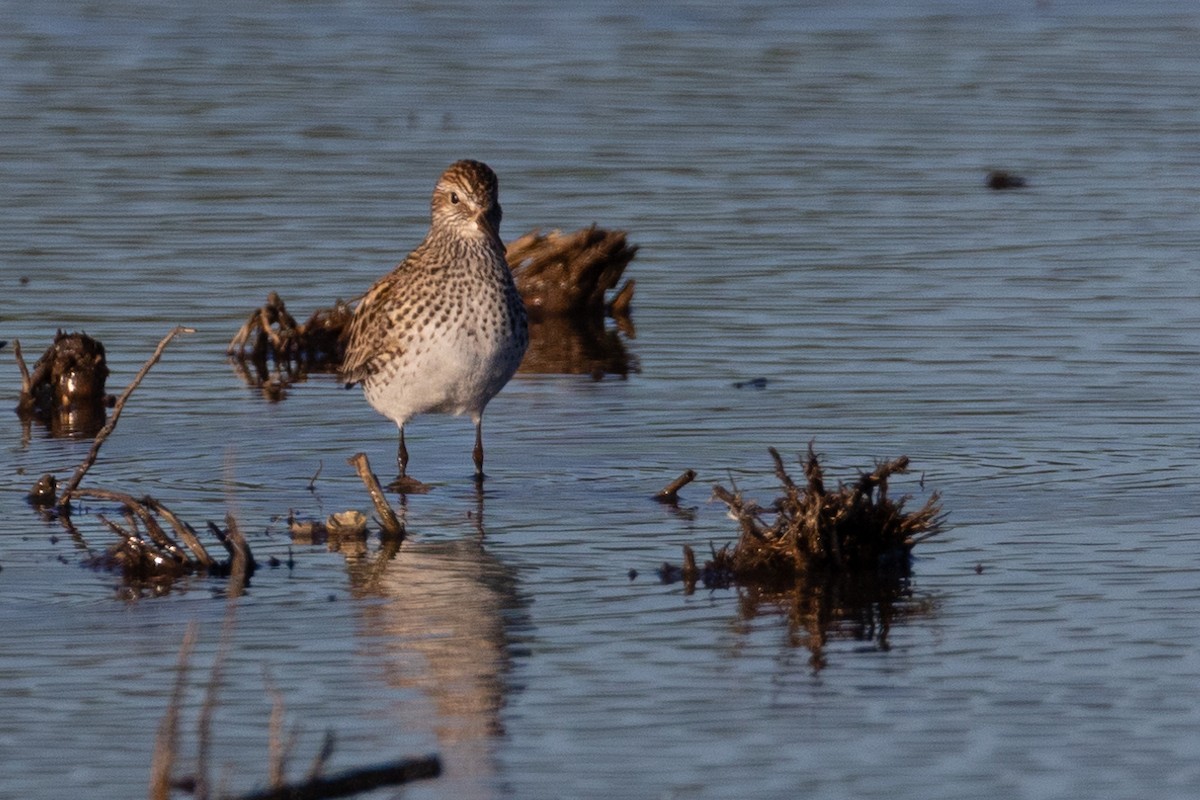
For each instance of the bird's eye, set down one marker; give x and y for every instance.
(454, 198)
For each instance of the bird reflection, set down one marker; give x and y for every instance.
(444, 633)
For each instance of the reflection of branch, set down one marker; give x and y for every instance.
(109, 426)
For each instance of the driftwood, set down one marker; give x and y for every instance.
(568, 274)
(669, 494)
(563, 279)
(352, 782)
(148, 556)
(389, 523)
(66, 388)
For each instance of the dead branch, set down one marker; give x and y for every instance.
(355, 781)
(241, 563)
(26, 384)
(388, 521)
(670, 493)
(322, 757)
(182, 529)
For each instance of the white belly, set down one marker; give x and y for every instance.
(457, 373)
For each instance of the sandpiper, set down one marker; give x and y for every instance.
(445, 330)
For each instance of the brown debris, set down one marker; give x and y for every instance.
(155, 547)
(567, 274)
(118, 406)
(148, 555)
(835, 562)
(65, 390)
(272, 351)
(388, 521)
(853, 528)
(563, 278)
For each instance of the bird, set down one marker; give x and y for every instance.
(445, 330)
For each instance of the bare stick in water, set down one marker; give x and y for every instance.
(387, 517)
(26, 384)
(670, 492)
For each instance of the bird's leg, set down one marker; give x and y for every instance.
(402, 455)
(478, 453)
(404, 484)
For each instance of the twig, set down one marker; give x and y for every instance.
(239, 558)
(167, 740)
(208, 708)
(65, 498)
(670, 492)
(163, 542)
(312, 482)
(183, 529)
(388, 521)
(278, 749)
(25, 383)
(354, 781)
(322, 757)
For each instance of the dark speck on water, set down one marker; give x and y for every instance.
(806, 186)
(1005, 180)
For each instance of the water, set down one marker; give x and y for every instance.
(806, 187)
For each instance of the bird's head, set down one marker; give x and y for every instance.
(466, 201)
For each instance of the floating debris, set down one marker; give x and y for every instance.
(44, 493)
(999, 179)
(563, 279)
(66, 389)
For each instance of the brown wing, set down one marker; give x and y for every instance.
(365, 337)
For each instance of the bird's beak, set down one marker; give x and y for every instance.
(485, 224)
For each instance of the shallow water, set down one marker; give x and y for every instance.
(806, 188)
